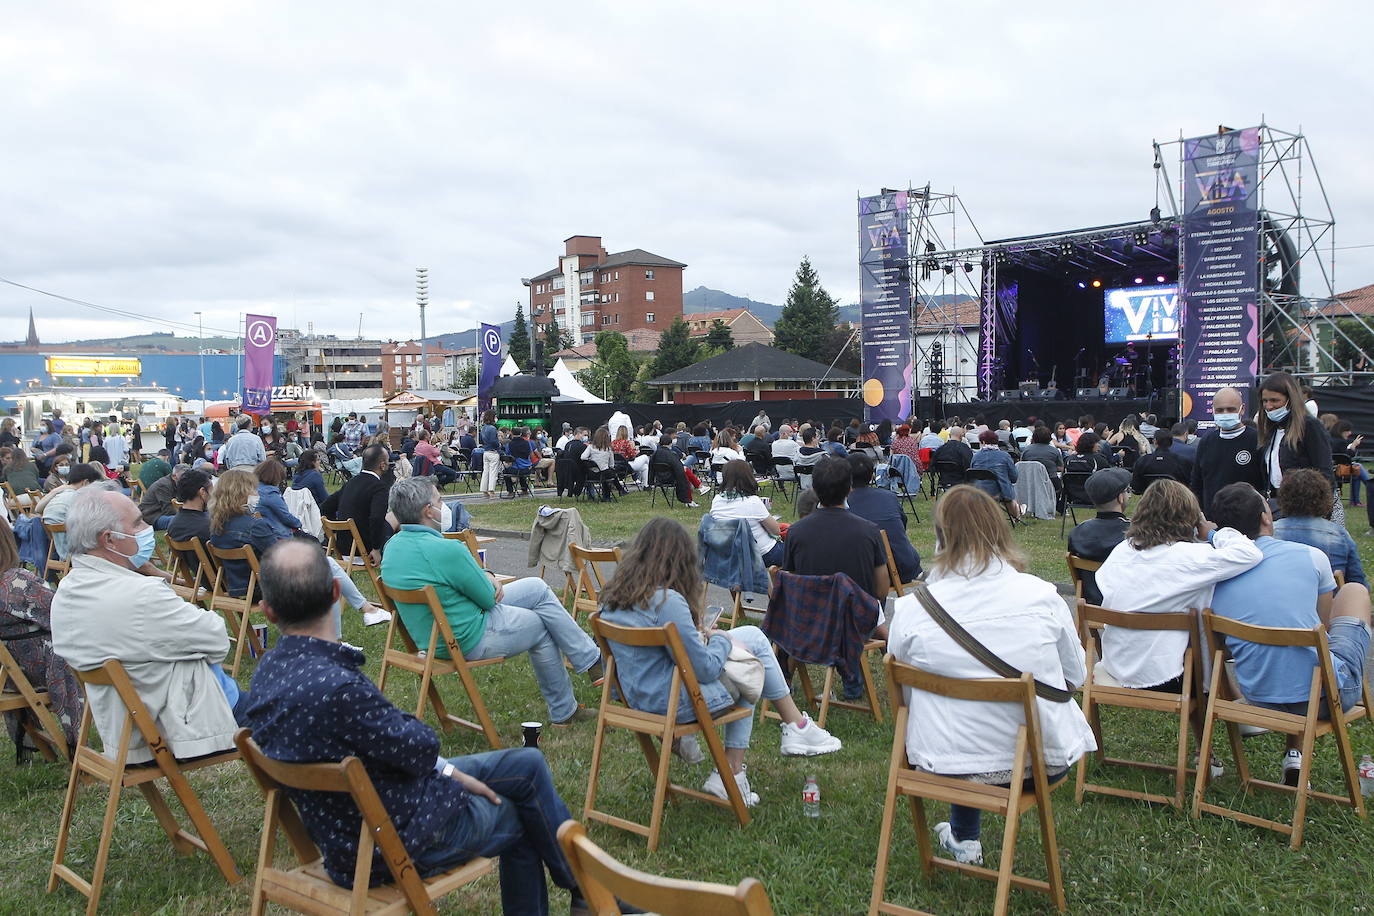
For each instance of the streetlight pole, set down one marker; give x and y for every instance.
(422, 299)
(200, 322)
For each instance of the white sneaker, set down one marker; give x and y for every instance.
(714, 785)
(688, 749)
(1292, 767)
(1250, 731)
(374, 617)
(1215, 770)
(807, 740)
(969, 852)
(692, 505)
(705, 488)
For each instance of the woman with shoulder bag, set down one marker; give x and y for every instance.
(658, 582)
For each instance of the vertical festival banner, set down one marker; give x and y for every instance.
(1220, 259)
(885, 306)
(259, 353)
(489, 368)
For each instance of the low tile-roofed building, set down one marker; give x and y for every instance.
(755, 372)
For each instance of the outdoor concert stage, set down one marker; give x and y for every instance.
(1102, 410)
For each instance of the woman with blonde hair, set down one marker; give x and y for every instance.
(977, 577)
(658, 582)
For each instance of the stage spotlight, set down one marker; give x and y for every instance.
(930, 246)
(1082, 285)
(1097, 284)
(949, 268)
(1140, 279)
(1155, 215)
(1159, 279)
(968, 268)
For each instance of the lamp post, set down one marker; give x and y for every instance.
(200, 322)
(422, 299)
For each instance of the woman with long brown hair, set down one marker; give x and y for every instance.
(1291, 438)
(26, 628)
(659, 582)
(977, 577)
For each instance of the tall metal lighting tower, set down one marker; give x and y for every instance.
(422, 300)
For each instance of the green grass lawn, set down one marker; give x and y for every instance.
(1118, 856)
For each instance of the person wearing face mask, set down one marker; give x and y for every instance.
(1291, 438)
(112, 606)
(489, 620)
(1228, 453)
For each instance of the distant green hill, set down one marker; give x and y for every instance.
(157, 341)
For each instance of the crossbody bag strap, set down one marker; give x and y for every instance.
(981, 652)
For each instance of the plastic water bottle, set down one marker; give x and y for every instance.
(811, 798)
(1367, 775)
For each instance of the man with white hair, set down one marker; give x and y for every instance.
(244, 447)
(115, 605)
(786, 446)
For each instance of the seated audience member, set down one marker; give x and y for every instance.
(756, 446)
(1022, 432)
(488, 620)
(992, 457)
(271, 506)
(21, 474)
(523, 459)
(834, 442)
(1086, 458)
(1184, 447)
(1170, 561)
(882, 508)
(1305, 507)
(308, 476)
(599, 453)
(659, 582)
(786, 445)
(627, 448)
(363, 499)
(724, 449)
(170, 648)
(54, 507)
(952, 458)
(932, 439)
(833, 539)
(59, 469)
(26, 628)
(739, 498)
(1042, 451)
(1096, 538)
(1162, 461)
(667, 466)
(700, 440)
(904, 443)
(155, 505)
(344, 456)
(1345, 442)
(867, 443)
(311, 702)
(234, 523)
(1291, 587)
(807, 502)
(810, 451)
(1228, 453)
(424, 448)
(193, 492)
(976, 568)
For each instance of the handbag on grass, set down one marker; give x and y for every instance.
(973, 647)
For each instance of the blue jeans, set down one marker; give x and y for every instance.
(530, 618)
(522, 830)
(1348, 640)
(967, 823)
(774, 684)
(348, 591)
(1361, 474)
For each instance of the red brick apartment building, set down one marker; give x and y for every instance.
(591, 291)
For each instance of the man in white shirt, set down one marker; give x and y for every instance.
(115, 605)
(115, 446)
(787, 446)
(1022, 433)
(244, 448)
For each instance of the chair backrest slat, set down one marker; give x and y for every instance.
(1096, 617)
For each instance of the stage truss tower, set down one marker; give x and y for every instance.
(1305, 328)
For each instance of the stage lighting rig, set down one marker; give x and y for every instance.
(1155, 216)
(968, 268)
(930, 247)
(1097, 284)
(949, 268)
(1082, 285)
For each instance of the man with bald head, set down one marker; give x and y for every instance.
(115, 605)
(1228, 453)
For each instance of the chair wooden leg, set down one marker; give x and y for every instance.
(1204, 773)
(245, 628)
(922, 828)
(166, 819)
(827, 686)
(1181, 762)
(64, 827)
(870, 688)
(1009, 832)
(102, 856)
(479, 707)
(1304, 774)
(598, 741)
(1340, 732)
(1049, 842)
(204, 828)
(808, 688)
(665, 759)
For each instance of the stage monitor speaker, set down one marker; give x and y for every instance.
(1049, 394)
(1029, 389)
(1117, 393)
(1083, 393)
(1009, 394)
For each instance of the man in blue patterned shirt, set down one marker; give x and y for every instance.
(310, 702)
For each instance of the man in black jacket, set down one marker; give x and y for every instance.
(953, 458)
(1161, 462)
(363, 499)
(1095, 538)
(664, 464)
(1228, 454)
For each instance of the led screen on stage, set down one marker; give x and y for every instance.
(1140, 313)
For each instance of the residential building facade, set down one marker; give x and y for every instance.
(591, 291)
(745, 327)
(399, 358)
(337, 368)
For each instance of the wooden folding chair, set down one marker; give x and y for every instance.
(590, 580)
(1101, 689)
(1223, 703)
(893, 575)
(1011, 803)
(1078, 566)
(193, 587)
(237, 611)
(429, 666)
(12, 501)
(475, 544)
(357, 556)
(17, 694)
(56, 566)
(616, 713)
(115, 773)
(603, 879)
(307, 888)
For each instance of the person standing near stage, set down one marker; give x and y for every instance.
(1227, 454)
(1291, 438)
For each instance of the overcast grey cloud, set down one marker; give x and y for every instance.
(301, 159)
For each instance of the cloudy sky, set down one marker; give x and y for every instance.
(300, 159)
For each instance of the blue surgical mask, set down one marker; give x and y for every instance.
(1227, 420)
(147, 540)
(1278, 414)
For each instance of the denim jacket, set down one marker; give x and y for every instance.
(728, 556)
(1328, 537)
(645, 672)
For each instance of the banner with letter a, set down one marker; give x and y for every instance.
(259, 353)
(489, 369)
(885, 306)
(1220, 260)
